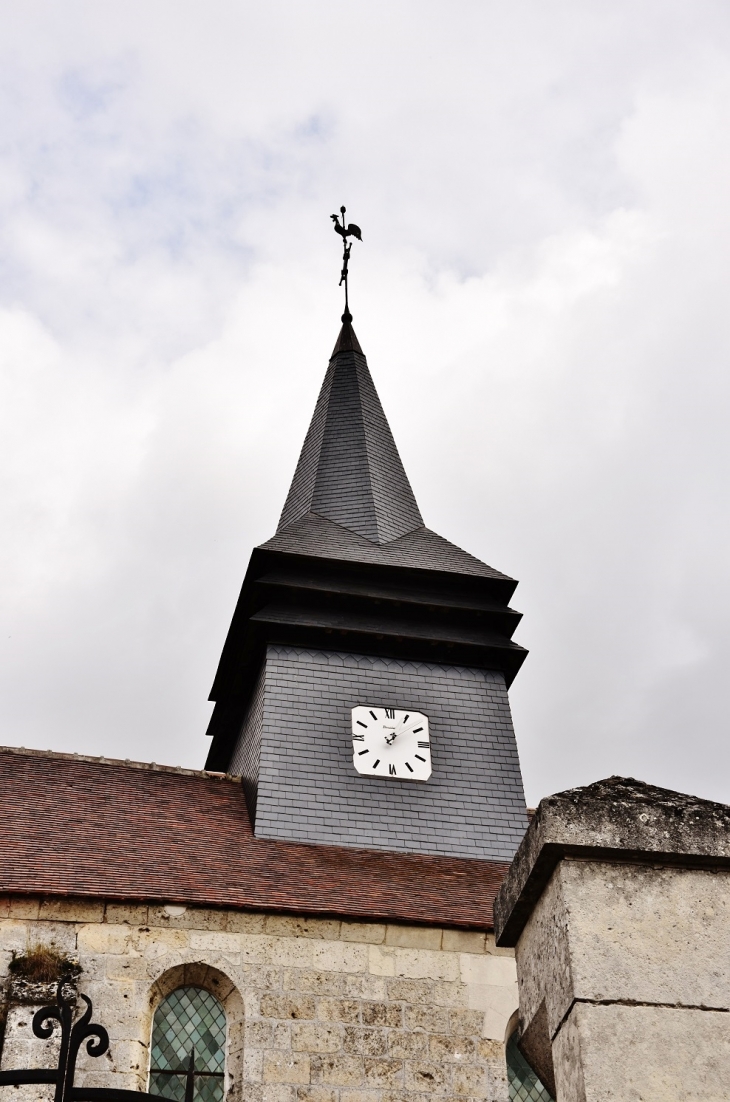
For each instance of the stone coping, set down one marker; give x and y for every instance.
(617, 819)
(173, 916)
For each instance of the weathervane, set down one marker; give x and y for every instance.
(345, 231)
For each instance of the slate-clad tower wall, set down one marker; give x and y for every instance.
(355, 602)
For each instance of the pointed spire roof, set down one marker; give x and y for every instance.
(349, 470)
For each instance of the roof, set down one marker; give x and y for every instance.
(619, 818)
(419, 549)
(349, 469)
(76, 826)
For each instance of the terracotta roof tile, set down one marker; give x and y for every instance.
(74, 826)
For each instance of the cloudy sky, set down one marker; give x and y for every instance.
(542, 293)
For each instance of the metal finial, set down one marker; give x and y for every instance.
(345, 231)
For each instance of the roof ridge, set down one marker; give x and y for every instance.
(97, 759)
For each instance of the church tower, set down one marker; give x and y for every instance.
(362, 690)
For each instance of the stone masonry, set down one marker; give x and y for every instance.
(318, 1010)
(618, 904)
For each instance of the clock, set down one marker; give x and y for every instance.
(390, 742)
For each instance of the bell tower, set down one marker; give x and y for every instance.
(354, 604)
(362, 691)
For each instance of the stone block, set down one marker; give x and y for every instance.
(22, 908)
(316, 1094)
(286, 1067)
(287, 1006)
(337, 1070)
(316, 1037)
(365, 986)
(291, 926)
(450, 994)
(464, 941)
(262, 977)
(487, 969)
(253, 1065)
(255, 949)
(469, 1079)
(413, 937)
(491, 1050)
(338, 1010)
(4, 906)
(427, 964)
(498, 1004)
(71, 910)
(498, 950)
(127, 914)
(441, 1046)
(365, 1042)
(381, 962)
(382, 1014)
(338, 956)
(432, 1019)
(406, 1045)
(14, 935)
(209, 941)
(259, 1034)
(380, 1072)
(466, 1022)
(245, 922)
(424, 1075)
(101, 937)
(314, 983)
(156, 943)
(360, 1095)
(411, 991)
(291, 952)
(281, 1036)
(276, 1092)
(372, 933)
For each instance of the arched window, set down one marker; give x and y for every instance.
(188, 1042)
(524, 1086)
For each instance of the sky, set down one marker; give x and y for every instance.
(541, 291)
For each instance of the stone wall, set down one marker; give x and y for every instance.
(318, 1010)
(618, 903)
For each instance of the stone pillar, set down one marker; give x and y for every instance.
(618, 905)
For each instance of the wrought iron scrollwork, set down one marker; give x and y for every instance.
(73, 1036)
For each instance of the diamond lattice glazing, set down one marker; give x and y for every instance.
(524, 1086)
(189, 1019)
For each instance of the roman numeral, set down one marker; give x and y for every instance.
(376, 763)
(391, 770)
(408, 767)
(390, 713)
(420, 758)
(423, 745)
(361, 752)
(361, 738)
(417, 730)
(363, 724)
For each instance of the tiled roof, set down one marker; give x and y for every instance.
(73, 826)
(349, 469)
(420, 549)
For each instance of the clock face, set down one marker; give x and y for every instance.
(389, 742)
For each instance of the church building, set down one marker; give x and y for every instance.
(309, 918)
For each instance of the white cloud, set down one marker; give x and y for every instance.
(541, 293)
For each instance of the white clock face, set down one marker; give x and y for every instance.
(389, 742)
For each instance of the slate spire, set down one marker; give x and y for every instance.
(349, 470)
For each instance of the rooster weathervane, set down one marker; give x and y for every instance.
(345, 231)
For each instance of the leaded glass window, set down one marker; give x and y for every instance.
(189, 1034)
(524, 1086)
